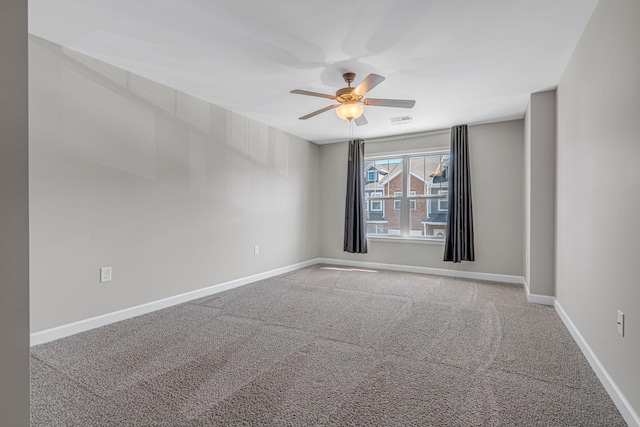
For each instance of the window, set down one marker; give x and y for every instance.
(372, 175)
(375, 202)
(443, 204)
(375, 229)
(409, 197)
(412, 202)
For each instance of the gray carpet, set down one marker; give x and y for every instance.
(325, 346)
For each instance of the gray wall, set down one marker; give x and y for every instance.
(170, 191)
(539, 192)
(496, 151)
(14, 216)
(598, 192)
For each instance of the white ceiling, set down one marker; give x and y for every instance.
(463, 61)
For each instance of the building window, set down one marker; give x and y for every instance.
(376, 204)
(409, 196)
(372, 175)
(443, 204)
(375, 229)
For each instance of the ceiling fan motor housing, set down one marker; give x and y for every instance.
(346, 95)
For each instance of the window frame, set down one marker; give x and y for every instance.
(408, 198)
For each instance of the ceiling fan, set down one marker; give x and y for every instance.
(350, 99)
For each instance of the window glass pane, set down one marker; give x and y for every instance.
(388, 177)
(417, 216)
(383, 178)
(422, 228)
(429, 219)
(427, 172)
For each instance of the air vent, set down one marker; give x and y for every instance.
(400, 120)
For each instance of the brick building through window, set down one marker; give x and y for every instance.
(416, 210)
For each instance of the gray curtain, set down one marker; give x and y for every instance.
(355, 216)
(459, 241)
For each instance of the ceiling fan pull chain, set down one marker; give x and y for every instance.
(350, 130)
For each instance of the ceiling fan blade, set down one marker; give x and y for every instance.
(306, 92)
(371, 81)
(398, 103)
(315, 113)
(361, 121)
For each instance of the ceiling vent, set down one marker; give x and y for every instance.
(400, 120)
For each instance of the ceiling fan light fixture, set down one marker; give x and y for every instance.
(350, 101)
(350, 110)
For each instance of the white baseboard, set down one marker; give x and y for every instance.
(428, 270)
(127, 313)
(52, 334)
(536, 298)
(541, 299)
(621, 402)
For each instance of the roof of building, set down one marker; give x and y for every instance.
(422, 167)
(437, 218)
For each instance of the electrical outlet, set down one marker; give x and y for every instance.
(105, 274)
(621, 323)
(256, 250)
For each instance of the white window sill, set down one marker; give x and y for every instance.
(419, 240)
